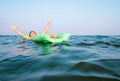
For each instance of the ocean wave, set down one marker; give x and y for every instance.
(81, 58)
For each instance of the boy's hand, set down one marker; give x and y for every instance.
(49, 21)
(14, 28)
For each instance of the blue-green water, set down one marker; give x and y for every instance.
(81, 58)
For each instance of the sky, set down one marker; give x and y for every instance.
(79, 17)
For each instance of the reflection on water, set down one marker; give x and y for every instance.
(47, 49)
(36, 48)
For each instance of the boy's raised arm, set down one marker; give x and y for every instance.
(47, 27)
(18, 32)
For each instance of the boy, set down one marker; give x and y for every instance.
(33, 33)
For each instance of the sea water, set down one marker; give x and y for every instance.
(81, 58)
